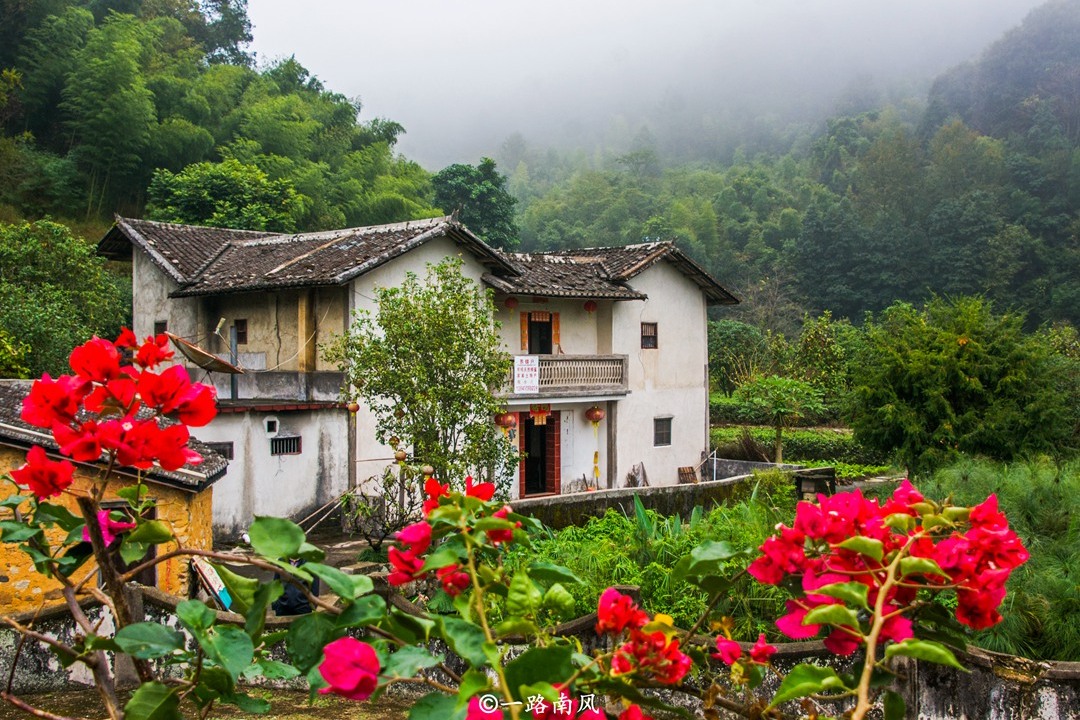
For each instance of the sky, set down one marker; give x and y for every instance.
(463, 75)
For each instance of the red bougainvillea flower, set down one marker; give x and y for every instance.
(652, 655)
(126, 339)
(497, 537)
(762, 651)
(406, 567)
(633, 713)
(454, 580)
(43, 476)
(96, 360)
(791, 624)
(153, 351)
(81, 442)
(416, 536)
(616, 612)
(110, 529)
(52, 401)
(350, 668)
(727, 650)
(482, 491)
(478, 710)
(434, 490)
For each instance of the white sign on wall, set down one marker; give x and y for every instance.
(526, 374)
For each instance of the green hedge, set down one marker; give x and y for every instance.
(724, 409)
(831, 444)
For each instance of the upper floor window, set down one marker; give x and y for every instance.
(160, 326)
(649, 337)
(241, 331)
(539, 332)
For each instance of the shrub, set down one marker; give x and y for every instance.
(804, 444)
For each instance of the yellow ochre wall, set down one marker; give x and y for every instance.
(188, 514)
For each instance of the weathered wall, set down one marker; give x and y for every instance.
(150, 298)
(259, 483)
(23, 588)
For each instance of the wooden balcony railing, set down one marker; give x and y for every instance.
(578, 375)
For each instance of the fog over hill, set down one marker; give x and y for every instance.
(463, 76)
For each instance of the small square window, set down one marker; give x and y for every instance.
(241, 331)
(160, 327)
(289, 445)
(649, 337)
(224, 449)
(661, 431)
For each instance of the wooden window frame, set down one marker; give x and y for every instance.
(241, 325)
(650, 336)
(662, 430)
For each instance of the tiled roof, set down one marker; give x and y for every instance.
(210, 261)
(600, 272)
(13, 429)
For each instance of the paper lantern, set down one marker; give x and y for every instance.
(510, 302)
(506, 421)
(595, 415)
(590, 306)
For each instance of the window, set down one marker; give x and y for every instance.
(160, 326)
(224, 449)
(661, 431)
(241, 331)
(648, 336)
(288, 445)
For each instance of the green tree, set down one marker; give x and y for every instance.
(427, 365)
(225, 194)
(478, 193)
(55, 293)
(952, 378)
(785, 400)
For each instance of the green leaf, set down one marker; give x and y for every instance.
(133, 493)
(492, 523)
(132, 552)
(271, 670)
(308, 635)
(894, 706)
(153, 701)
(516, 626)
(900, 521)
(367, 610)
(148, 640)
(922, 566)
(414, 628)
(362, 585)
(535, 665)
(472, 682)
(924, 650)
(444, 556)
(708, 558)
(241, 589)
(248, 704)
(228, 646)
(13, 532)
(836, 615)
(436, 706)
(465, 639)
(151, 532)
(276, 537)
(310, 553)
(341, 584)
(852, 593)
(195, 616)
(49, 514)
(548, 574)
(255, 616)
(869, 547)
(409, 660)
(560, 601)
(524, 598)
(806, 680)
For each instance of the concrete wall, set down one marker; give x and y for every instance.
(669, 381)
(579, 331)
(259, 483)
(23, 588)
(151, 302)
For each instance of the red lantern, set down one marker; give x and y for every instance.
(590, 306)
(353, 407)
(511, 302)
(595, 415)
(506, 420)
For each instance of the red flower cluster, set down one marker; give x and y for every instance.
(979, 560)
(652, 655)
(407, 562)
(497, 537)
(617, 612)
(112, 393)
(730, 651)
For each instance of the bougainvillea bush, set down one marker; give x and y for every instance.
(864, 573)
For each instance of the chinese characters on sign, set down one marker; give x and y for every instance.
(526, 374)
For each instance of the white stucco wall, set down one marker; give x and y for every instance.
(578, 329)
(258, 483)
(151, 302)
(669, 381)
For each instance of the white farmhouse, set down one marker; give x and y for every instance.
(612, 332)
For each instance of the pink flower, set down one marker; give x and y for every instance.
(453, 580)
(617, 612)
(43, 476)
(406, 567)
(110, 529)
(476, 711)
(727, 650)
(417, 536)
(497, 537)
(350, 668)
(633, 713)
(792, 623)
(762, 651)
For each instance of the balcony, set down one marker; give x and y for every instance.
(569, 376)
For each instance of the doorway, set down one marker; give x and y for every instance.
(539, 447)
